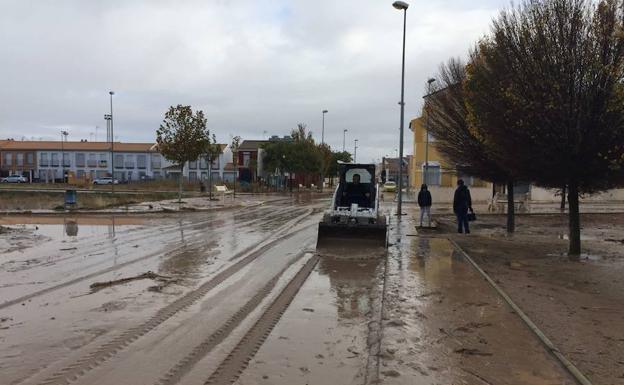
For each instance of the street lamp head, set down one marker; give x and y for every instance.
(431, 80)
(400, 5)
(111, 93)
(325, 111)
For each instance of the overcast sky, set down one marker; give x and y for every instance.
(253, 66)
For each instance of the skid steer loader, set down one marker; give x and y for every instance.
(354, 218)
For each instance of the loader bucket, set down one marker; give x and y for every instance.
(351, 239)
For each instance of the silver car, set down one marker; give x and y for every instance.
(14, 179)
(105, 180)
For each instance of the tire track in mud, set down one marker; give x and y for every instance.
(127, 263)
(107, 350)
(178, 371)
(237, 361)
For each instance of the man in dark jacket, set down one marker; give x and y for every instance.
(424, 201)
(462, 202)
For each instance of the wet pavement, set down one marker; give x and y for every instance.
(243, 295)
(443, 324)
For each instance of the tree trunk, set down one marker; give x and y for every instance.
(563, 198)
(511, 208)
(574, 220)
(180, 183)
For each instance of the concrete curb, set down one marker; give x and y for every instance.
(573, 370)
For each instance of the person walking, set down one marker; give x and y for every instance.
(424, 201)
(462, 202)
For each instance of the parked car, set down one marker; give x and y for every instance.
(390, 186)
(105, 180)
(14, 179)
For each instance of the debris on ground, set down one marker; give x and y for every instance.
(96, 286)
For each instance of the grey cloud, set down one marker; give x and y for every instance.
(252, 66)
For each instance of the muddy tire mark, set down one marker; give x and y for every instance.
(112, 268)
(92, 360)
(176, 373)
(231, 368)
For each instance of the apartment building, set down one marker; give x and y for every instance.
(50, 161)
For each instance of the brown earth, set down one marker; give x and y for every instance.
(578, 305)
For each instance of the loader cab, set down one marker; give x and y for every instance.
(357, 185)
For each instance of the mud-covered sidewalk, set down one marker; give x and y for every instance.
(443, 324)
(578, 305)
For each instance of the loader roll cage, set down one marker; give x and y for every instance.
(356, 185)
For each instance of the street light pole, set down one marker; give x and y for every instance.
(323, 151)
(112, 138)
(355, 152)
(402, 6)
(344, 135)
(63, 135)
(426, 178)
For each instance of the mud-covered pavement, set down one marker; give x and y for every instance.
(241, 296)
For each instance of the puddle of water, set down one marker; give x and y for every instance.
(322, 337)
(78, 227)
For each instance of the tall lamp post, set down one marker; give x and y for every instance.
(323, 147)
(344, 135)
(355, 147)
(426, 178)
(112, 139)
(402, 6)
(63, 139)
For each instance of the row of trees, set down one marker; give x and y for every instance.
(301, 155)
(540, 100)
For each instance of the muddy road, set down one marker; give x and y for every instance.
(242, 296)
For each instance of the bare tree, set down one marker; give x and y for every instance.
(458, 142)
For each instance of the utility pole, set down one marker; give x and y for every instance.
(344, 135)
(355, 151)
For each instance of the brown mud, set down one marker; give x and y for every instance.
(578, 305)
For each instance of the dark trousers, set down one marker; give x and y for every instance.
(462, 222)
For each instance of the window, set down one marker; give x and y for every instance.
(142, 161)
(216, 176)
(80, 174)
(8, 158)
(433, 176)
(19, 159)
(80, 159)
(66, 162)
(157, 175)
(202, 163)
(43, 159)
(92, 162)
(246, 159)
(215, 163)
(119, 161)
(365, 176)
(193, 165)
(103, 160)
(129, 161)
(192, 176)
(30, 158)
(204, 175)
(43, 175)
(55, 160)
(156, 161)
